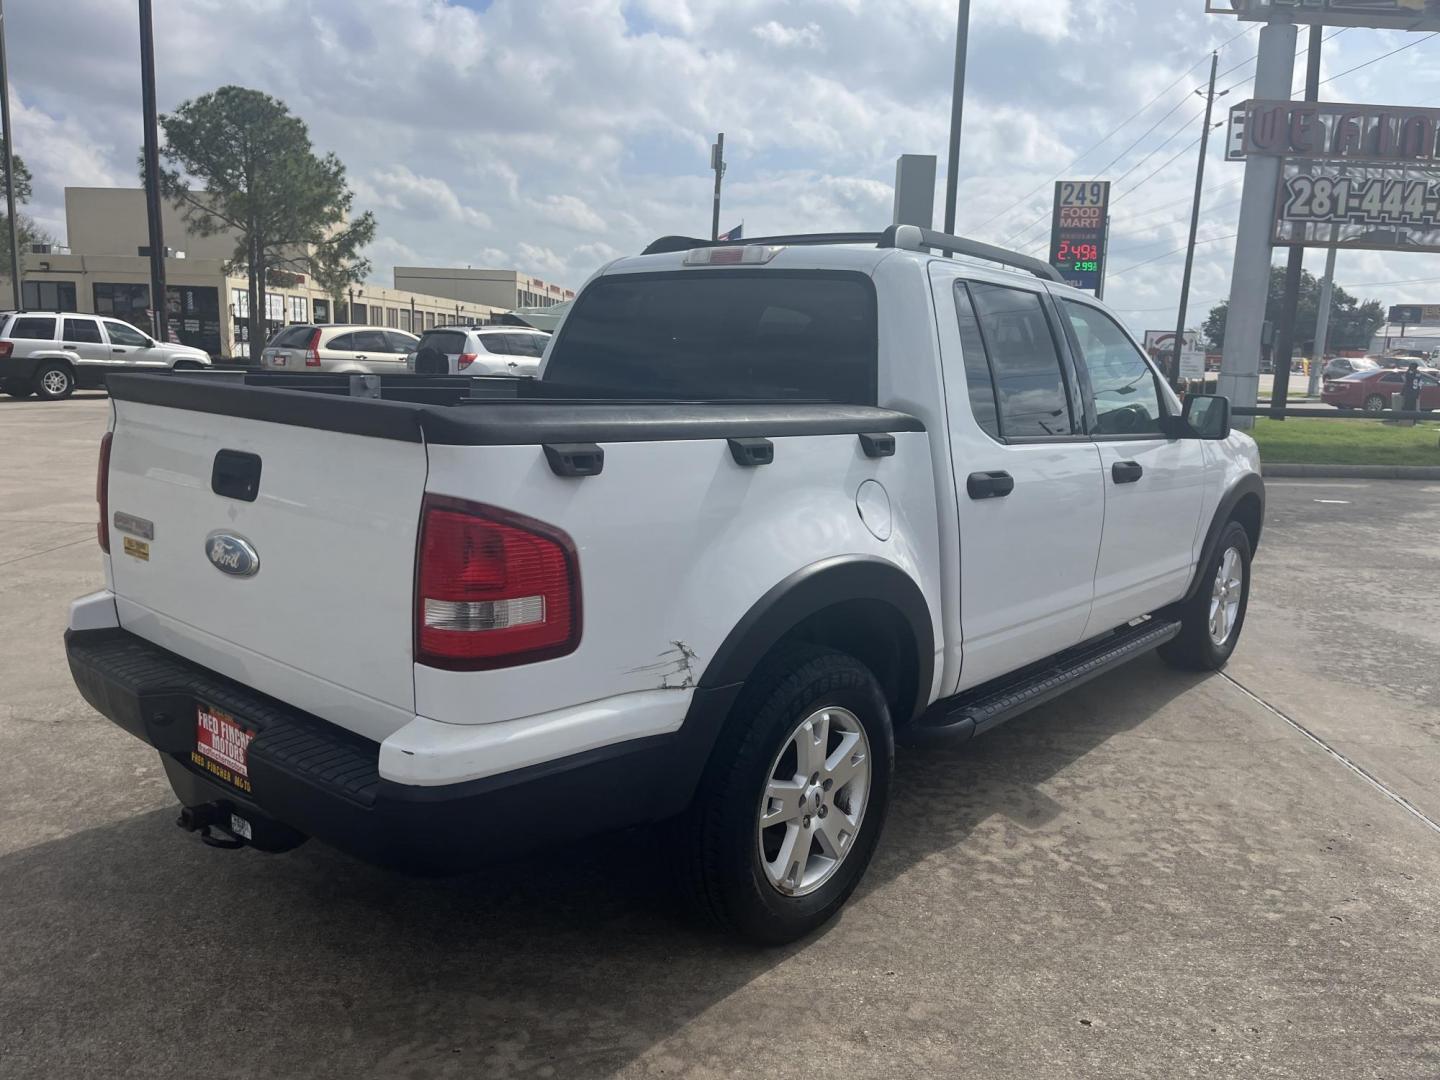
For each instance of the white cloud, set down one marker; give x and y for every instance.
(559, 133)
(774, 33)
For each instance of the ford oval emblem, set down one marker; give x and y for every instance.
(231, 554)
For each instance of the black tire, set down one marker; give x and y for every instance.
(17, 388)
(1195, 649)
(1375, 403)
(719, 838)
(49, 385)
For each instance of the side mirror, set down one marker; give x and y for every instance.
(1207, 416)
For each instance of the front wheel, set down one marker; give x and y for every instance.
(1375, 403)
(54, 382)
(791, 806)
(1211, 620)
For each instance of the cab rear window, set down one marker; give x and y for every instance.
(723, 335)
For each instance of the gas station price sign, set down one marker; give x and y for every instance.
(1077, 232)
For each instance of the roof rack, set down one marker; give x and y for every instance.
(906, 237)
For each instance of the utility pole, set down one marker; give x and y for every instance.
(717, 162)
(1285, 331)
(1194, 221)
(9, 167)
(957, 115)
(159, 297)
(1322, 324)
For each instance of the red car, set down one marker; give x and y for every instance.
(1375, 391)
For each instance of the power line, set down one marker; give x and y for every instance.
(1382, 56)
(1177, 251)
(1113, 132)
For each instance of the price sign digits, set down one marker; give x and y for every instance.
(1077, 234)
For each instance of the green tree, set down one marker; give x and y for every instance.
(236, 161)
(1353, 322)
(30, 233)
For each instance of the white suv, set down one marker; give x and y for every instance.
(370, 350)
(51, 353)
(479, 350)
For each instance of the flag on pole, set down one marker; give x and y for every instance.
(737, 233)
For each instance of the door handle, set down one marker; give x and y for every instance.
(117, 350)
(1126, 472)
(361, 356)
(989, 485)
(72, 348)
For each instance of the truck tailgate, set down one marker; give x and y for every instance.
(324, 621)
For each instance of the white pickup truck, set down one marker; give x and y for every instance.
(769, 505)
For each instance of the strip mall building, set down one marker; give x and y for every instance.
(106, 270)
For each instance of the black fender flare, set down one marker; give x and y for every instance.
(811, 590)
(1248, 485)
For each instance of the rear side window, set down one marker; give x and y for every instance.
(449, 342)
(723, 334)
(82, 330)
(1024, 363)
(342, 342)
(292, 337)
(34, 328)
(400, 343)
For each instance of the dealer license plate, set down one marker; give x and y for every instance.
(222, 745)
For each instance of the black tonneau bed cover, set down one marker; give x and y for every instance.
(489, 411)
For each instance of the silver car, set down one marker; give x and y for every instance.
(366, 350)
(51, 353)
(479, 350)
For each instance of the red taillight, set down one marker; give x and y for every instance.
(466, 359)
(6, 348)
(312, 351)
(102, 493)
(492, 589)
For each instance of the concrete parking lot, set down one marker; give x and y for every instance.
(1157, 876)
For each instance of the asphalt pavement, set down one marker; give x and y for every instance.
(1156, 876)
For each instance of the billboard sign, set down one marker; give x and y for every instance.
(1422, 15)
(1320, 204)
(1077, 232)
(1160, 344)
(1331, 131)
(1415, 315)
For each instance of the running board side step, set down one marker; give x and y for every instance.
(989, 705)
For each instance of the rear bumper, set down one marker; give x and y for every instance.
(312, 776)
(18, 367)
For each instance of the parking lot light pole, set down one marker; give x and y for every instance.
(159, 301)
(1194, 222)
(957, 115)
(9, 167)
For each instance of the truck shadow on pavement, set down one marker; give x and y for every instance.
(134, 950)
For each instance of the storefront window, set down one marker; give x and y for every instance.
(298, 310)
(322, 311)
(125, 301)
(49, 295)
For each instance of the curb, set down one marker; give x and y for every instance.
(1354, 472)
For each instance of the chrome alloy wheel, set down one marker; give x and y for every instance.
(1225, 595)
(55, 382)
(814, 802)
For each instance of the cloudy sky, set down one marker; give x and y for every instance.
(555, 134)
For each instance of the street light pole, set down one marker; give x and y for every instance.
(1194, 222)
(159, 298)
(9, 167)
(957, 114)
(717, 162)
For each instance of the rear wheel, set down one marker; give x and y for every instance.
(1375, 403)
(1211, 620)
(55, 381)
(791, 805)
